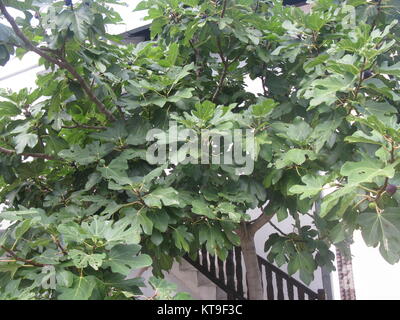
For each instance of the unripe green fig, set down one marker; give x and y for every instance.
(372, 205)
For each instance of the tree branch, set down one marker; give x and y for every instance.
(259, 222)
(277, 229)
(58, 244)
(224, 8)
(197, 58)
(61, 62)
(83, 126)
(263, 82)
(226, 64)
(33, 155)
(13, 254)
(224, 71)
(220, 83)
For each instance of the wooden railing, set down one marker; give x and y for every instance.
(229, 275)
(287, 287)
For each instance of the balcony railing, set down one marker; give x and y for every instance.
(229, 275)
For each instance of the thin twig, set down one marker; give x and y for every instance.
(14, 255)
(224, 8)
(33, 155)
(277, 229)
(257, 5)
(83, 126)
(263, 82)
(58, 244)
(226, 65)
(385, 184)
(361, 78)
(197, 58)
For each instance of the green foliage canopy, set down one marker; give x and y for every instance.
(74, 177)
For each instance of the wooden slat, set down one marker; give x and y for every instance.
(290, 290)
(213, 268)
(321, 294)
(286, 277)
(300, 293)
(230, 274)
(270, 287)
(230, 271)
(239, 270)
(279, 287)
(221, 273)
(204, 260)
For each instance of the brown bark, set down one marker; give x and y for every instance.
(345, 274)
(253, 274)
(33, 155)
(246, 232)
(14, 255)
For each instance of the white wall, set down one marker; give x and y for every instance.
(286, 226)
(374, 278)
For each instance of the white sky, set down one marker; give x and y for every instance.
(131, 19)
(374, 277)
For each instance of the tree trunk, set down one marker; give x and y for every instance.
(345, 274)
(253, 274)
